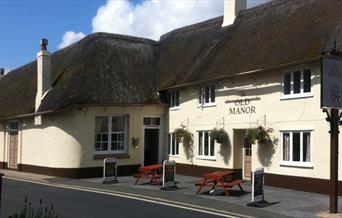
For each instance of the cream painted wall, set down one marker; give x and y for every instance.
(66, 139)
(3, 155)
(290, 114)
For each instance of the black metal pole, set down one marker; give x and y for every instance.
(1, 175)
(334, 121)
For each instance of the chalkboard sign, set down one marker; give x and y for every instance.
(258, 185)
(110, 171)
(169, 171)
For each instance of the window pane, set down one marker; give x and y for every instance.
(296, 82)
(212, 147)
(169, 144)
(104, 137)
(101, 124)
(98, 146)
(306, 147)
(206, 93)
(307, 80)
(296, 146)
(155, 121)
(118, 124)
(287, 84)
(177, 147)
(173, 146)
(176, 98)
(206, 143)
(200, 95)
(200, 143)
(147, 121)
(286, 146)
(104, 146)
(212, 93)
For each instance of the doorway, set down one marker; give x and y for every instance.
(242, 153)
(152, 140)
(13, 150)
(247, 160)
(151, 145)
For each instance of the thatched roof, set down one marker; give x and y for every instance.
(263, 37)
(114, 69)
(100, 69)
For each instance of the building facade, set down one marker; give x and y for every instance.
(118, 96)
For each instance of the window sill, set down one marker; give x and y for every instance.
(297, 165)
(174, 108)
(206, 158)
(103, 156)
(207, 105)
(177, 156)
(296, 96)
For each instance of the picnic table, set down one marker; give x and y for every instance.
(148, 172)
(219, 179)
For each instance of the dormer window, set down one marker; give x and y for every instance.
(173, 98)
(297, 84)
(207, 95)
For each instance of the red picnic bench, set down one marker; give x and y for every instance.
(149, 172)
(219, 179)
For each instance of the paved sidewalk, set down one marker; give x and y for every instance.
(286, 202)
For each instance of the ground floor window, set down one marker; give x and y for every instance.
(296, 147)
(111, 134)
(173, 145)
(206, 145)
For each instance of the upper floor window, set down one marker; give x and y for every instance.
(173, 145)
(173, 98)
(296, 147)
(206, 94)
(297, 84)
(111, 134)
(206, 145)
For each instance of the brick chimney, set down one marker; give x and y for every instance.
(2, 72)
(43, 72)
(231, 9)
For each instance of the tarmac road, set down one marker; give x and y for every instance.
(77, 203)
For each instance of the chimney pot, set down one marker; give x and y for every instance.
(2, 71)
(43, 44)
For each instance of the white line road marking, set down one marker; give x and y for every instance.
(160, 201)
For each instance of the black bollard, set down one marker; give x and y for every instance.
(1, 175)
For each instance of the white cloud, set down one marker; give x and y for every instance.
(152, 18)
(69, 38)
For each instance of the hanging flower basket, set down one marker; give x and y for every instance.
(261, 134)
(220, 135)
(183, 135)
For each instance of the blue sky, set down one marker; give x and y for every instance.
(24, 22)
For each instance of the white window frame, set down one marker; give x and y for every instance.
(292, 95)
(201, 96)
(300, 163)
(171, 99)
(110, 132)
(203, 156)
(171, 138)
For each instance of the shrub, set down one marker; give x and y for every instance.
(41, 212)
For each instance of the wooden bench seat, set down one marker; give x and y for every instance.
(231, 184)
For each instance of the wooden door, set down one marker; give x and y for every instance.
(247, 165)
(13, 151)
